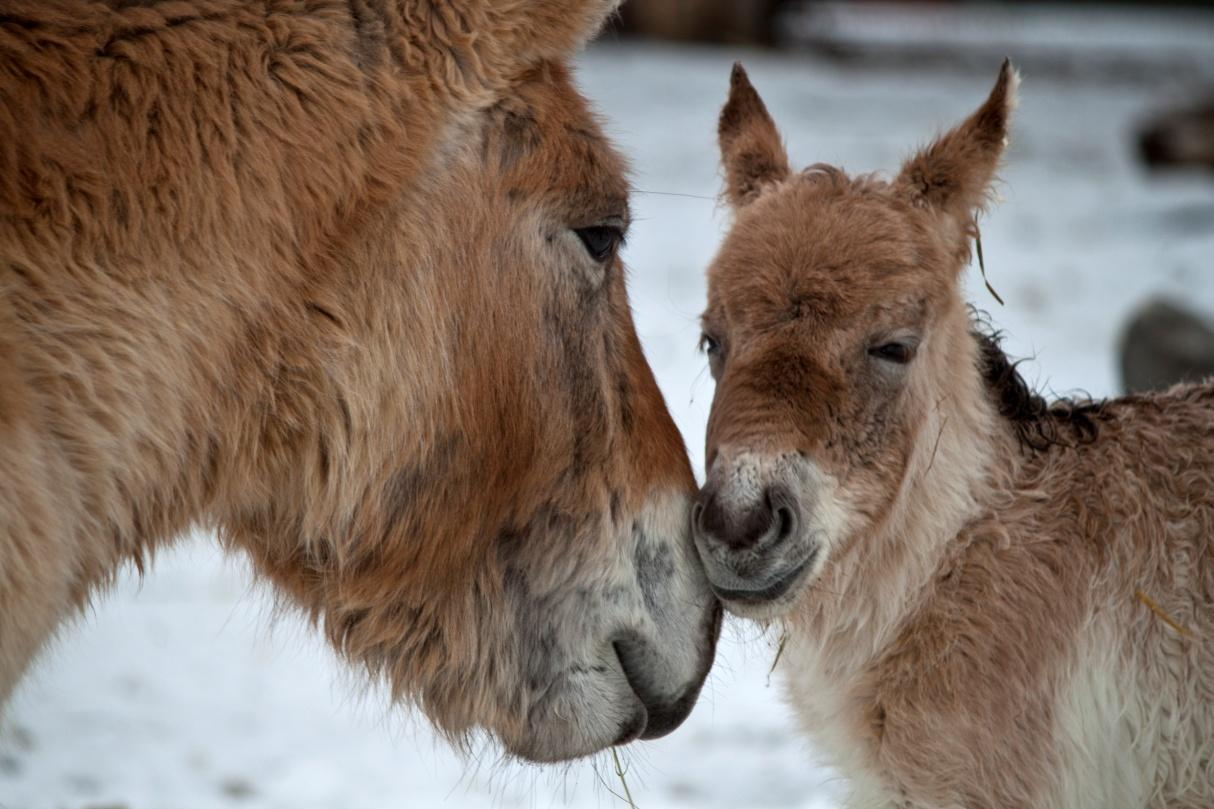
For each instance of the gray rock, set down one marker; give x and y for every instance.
(1180, 138)
(1164, 344)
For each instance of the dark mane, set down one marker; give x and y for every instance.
(1038, 424)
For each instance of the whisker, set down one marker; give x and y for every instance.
(675, 194)
(695, 383)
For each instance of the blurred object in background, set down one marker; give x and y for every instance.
(1181, 138)
(1109, 42)
(1163, 345)
(735, 22)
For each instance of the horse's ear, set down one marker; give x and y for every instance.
(527, 31)
(954, 174)
(751, 152)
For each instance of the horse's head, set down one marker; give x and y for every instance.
(834, 329)
(493, 511)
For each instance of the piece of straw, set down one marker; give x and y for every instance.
(1163, 616)
(619, 771)
(982, 264)
(779, 651)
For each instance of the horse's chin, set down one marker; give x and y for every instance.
(582, 722)
(597, 726)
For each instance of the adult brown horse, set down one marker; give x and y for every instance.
(340, 280)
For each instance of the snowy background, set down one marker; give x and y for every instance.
(185, 691)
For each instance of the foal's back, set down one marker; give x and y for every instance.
(1140, 502)
(1088, 587)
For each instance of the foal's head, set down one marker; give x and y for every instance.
(834, 328)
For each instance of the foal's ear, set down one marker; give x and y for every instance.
(954, 174)
(751, 152)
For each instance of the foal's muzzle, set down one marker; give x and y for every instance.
(752, 534)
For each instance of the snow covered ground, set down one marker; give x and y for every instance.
(185, 691)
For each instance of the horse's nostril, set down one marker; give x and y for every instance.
(784, 523)
(666, 704)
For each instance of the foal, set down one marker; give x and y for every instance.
(990, 601)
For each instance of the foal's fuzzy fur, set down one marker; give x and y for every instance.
(308, 273)
(1007, 603)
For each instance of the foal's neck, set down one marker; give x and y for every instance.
(863, 597)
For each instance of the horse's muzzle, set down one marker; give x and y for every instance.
(623, 654)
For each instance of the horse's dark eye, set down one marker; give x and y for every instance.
(900, 353)
(712, 347)
(601, 241)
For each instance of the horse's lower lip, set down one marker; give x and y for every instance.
(633, 729)
(767, 592)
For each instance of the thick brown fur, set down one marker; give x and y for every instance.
(991, 600)
(304, 271)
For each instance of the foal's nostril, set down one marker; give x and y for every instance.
(711, 520)
(766, 522)
(784, 507)
(734, 528)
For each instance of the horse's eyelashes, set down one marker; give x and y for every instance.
(900, 353)
(601, 241)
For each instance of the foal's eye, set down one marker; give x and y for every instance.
(709, 345)
(601, 241)
(900, 353)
